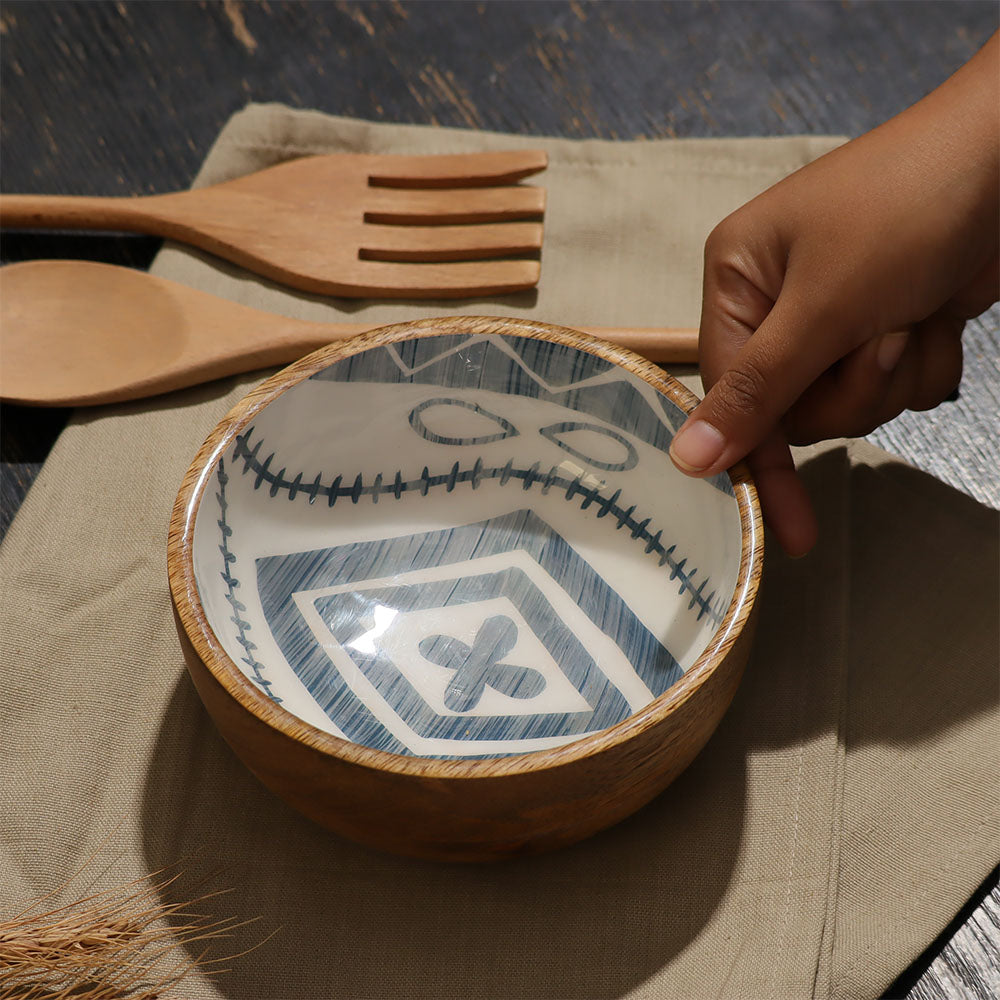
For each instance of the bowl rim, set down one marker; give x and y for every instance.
(207, 646)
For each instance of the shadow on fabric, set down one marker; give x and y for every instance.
(883, 636)
(591, 920)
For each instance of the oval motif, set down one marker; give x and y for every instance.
(507, 429)
(552, 432)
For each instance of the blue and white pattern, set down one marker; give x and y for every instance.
(520, 366)
(465, 547)
(572, 487)
(232, 584)
(452, 641)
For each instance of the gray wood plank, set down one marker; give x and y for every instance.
(126, 98)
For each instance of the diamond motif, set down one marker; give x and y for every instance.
(520, 644)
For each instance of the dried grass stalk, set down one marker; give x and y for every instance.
(119, 943)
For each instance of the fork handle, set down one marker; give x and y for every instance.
(49, 211)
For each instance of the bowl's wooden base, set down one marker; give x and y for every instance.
(473, 811)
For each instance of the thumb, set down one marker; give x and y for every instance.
(751, 391)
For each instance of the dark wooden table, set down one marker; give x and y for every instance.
(124, 98)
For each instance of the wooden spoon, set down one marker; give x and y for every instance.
(78, 333)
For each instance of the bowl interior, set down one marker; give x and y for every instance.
(464, 545)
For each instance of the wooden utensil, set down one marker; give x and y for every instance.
(346, 224)
(78, 333)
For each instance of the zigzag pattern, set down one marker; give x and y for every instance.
(520, 366)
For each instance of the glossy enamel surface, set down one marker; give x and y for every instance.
(461, 544)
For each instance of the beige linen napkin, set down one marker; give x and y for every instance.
(842, 814)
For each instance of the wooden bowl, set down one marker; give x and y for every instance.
(442, 590)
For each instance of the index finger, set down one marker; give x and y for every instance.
(752, 383)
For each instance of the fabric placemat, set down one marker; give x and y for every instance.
(842, 814)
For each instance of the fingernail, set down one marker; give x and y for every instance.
(890, 349)
(697, 446)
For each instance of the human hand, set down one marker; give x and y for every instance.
(836, 299)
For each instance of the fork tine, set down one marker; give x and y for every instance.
(456, 170)
(412, 207)
(442, 243)
(465, 279)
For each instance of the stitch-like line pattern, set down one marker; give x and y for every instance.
(396, 486)
(827, 945)
(783, 934)
(231, 582)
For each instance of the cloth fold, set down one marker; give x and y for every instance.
(839, 818)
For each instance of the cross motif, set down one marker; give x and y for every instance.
(481, 665)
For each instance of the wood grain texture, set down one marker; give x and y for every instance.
(106, 99)
(318, 224)
(60, 347)
(460, 810)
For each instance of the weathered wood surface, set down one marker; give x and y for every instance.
(125, 98)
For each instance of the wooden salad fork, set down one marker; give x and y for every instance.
(345, 224)
(78, 333)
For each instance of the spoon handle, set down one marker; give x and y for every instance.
(675, 346)
(662, 345)
(78, 333)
